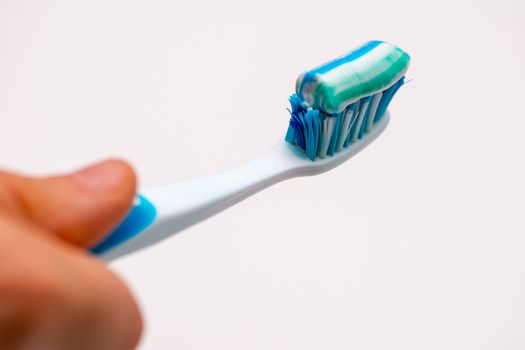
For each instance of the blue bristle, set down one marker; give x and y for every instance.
(353, 123)
(352, 108)
(388, 94)
(295, 134)
(312, 128)
(297, 123)
(365, 115)
(295, 103)
(335, 134)
(322, 117)
(290, 135)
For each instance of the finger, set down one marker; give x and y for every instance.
(53, 296)
(79, 208)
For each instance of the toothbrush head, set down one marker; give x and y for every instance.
(338, 103)
(296, 159)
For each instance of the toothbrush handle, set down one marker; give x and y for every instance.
(160, 212)
(142, 215)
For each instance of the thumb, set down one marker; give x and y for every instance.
(79, 208)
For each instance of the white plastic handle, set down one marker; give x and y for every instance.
(184, 204)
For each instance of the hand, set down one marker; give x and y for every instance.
(53, 294)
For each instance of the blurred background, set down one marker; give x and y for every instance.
(417, 242)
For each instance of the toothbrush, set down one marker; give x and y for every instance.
(338, 109)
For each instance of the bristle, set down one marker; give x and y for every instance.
(345, 127)
(319, 134)
(361, 122)
(326, 135)
(388, 94)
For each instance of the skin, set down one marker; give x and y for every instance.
(53, 294)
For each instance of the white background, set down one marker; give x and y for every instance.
(416, 243)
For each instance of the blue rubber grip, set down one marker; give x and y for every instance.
(139, 218)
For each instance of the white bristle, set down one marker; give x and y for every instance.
(345, 128)
(372, 110)
(328, 128)
(362, 111)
